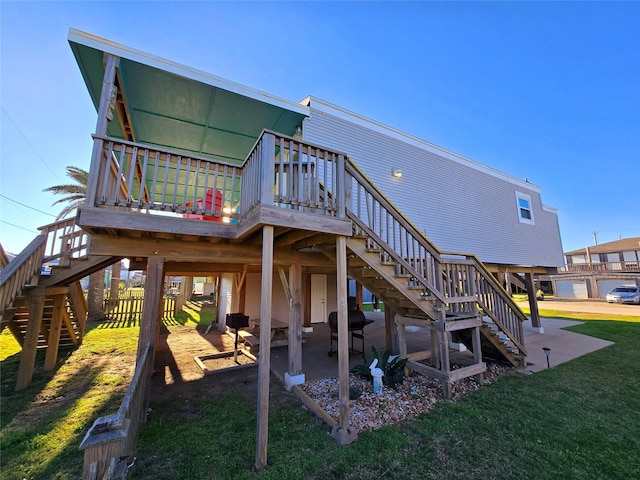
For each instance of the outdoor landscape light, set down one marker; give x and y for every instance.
(547, 351)
(396, 172)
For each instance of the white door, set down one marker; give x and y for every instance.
(318, 298)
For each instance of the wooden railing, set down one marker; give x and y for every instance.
(114, 436)
(621, 266)
(459, 281)
(279, 171)
(65, 242)
(21, 271)
(391, 232)
(493, 300)
(137, 176)
(302, 174)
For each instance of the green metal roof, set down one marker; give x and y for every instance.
(183, 109)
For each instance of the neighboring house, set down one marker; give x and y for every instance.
(592, 272)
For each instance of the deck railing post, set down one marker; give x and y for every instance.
(267, 168)
(340, 187)
(104, 111)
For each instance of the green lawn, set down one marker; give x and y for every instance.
(580, 420)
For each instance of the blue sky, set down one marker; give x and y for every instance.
(543, 90)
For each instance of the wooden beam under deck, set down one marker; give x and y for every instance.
(95, 220)
(199, 252)
(196, 269)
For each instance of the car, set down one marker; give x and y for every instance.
(624, 294)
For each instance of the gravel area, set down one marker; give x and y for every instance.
(417, 394)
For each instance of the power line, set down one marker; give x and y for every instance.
(24, 205)
(18, 226)
(29, 143)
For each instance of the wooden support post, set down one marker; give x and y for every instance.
(435, 349)
(242, 297)
(295, 376)
(101, 129)
(28, 355)
(533, 302)
(477, 351)
(160, 318)
(306, 307)
(445, 365)
(54, 332)
(264, 363)
(151, 308)
(390, 331)
(359, 295)
(186, 287)
(342, 432)
(402, 340)
(240, 290)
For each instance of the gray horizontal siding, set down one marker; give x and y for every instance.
(460, 208)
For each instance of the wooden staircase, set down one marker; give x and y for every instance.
(47, 311)
(495, 346)
(451, 294)
(57, 301)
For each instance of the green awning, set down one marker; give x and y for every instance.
(179, 108)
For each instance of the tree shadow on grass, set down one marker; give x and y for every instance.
(43, 425)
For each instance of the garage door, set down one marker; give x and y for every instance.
(571, 289)
(605, 286)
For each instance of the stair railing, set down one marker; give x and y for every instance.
(495, 301)
(454, 278)
(65, 242)
(391, 231)
(21, 271)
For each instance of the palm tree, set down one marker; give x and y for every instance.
(74, 197)
(74, 193)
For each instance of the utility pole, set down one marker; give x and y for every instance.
(595, 237)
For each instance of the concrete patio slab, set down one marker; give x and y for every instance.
(564, 345)
(317, 364)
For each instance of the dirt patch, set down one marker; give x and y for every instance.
(177, 347)
(219, 363)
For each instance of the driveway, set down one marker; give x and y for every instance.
(586, 306)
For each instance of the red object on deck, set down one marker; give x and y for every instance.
(208, 204)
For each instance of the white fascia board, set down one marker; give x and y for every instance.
(549, 209)
(365, 122)
(114, 48)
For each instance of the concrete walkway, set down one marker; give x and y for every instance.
(586, 306)
(564, 345)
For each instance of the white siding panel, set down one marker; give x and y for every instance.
(460, 208)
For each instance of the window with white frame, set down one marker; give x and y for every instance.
(525, 210)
